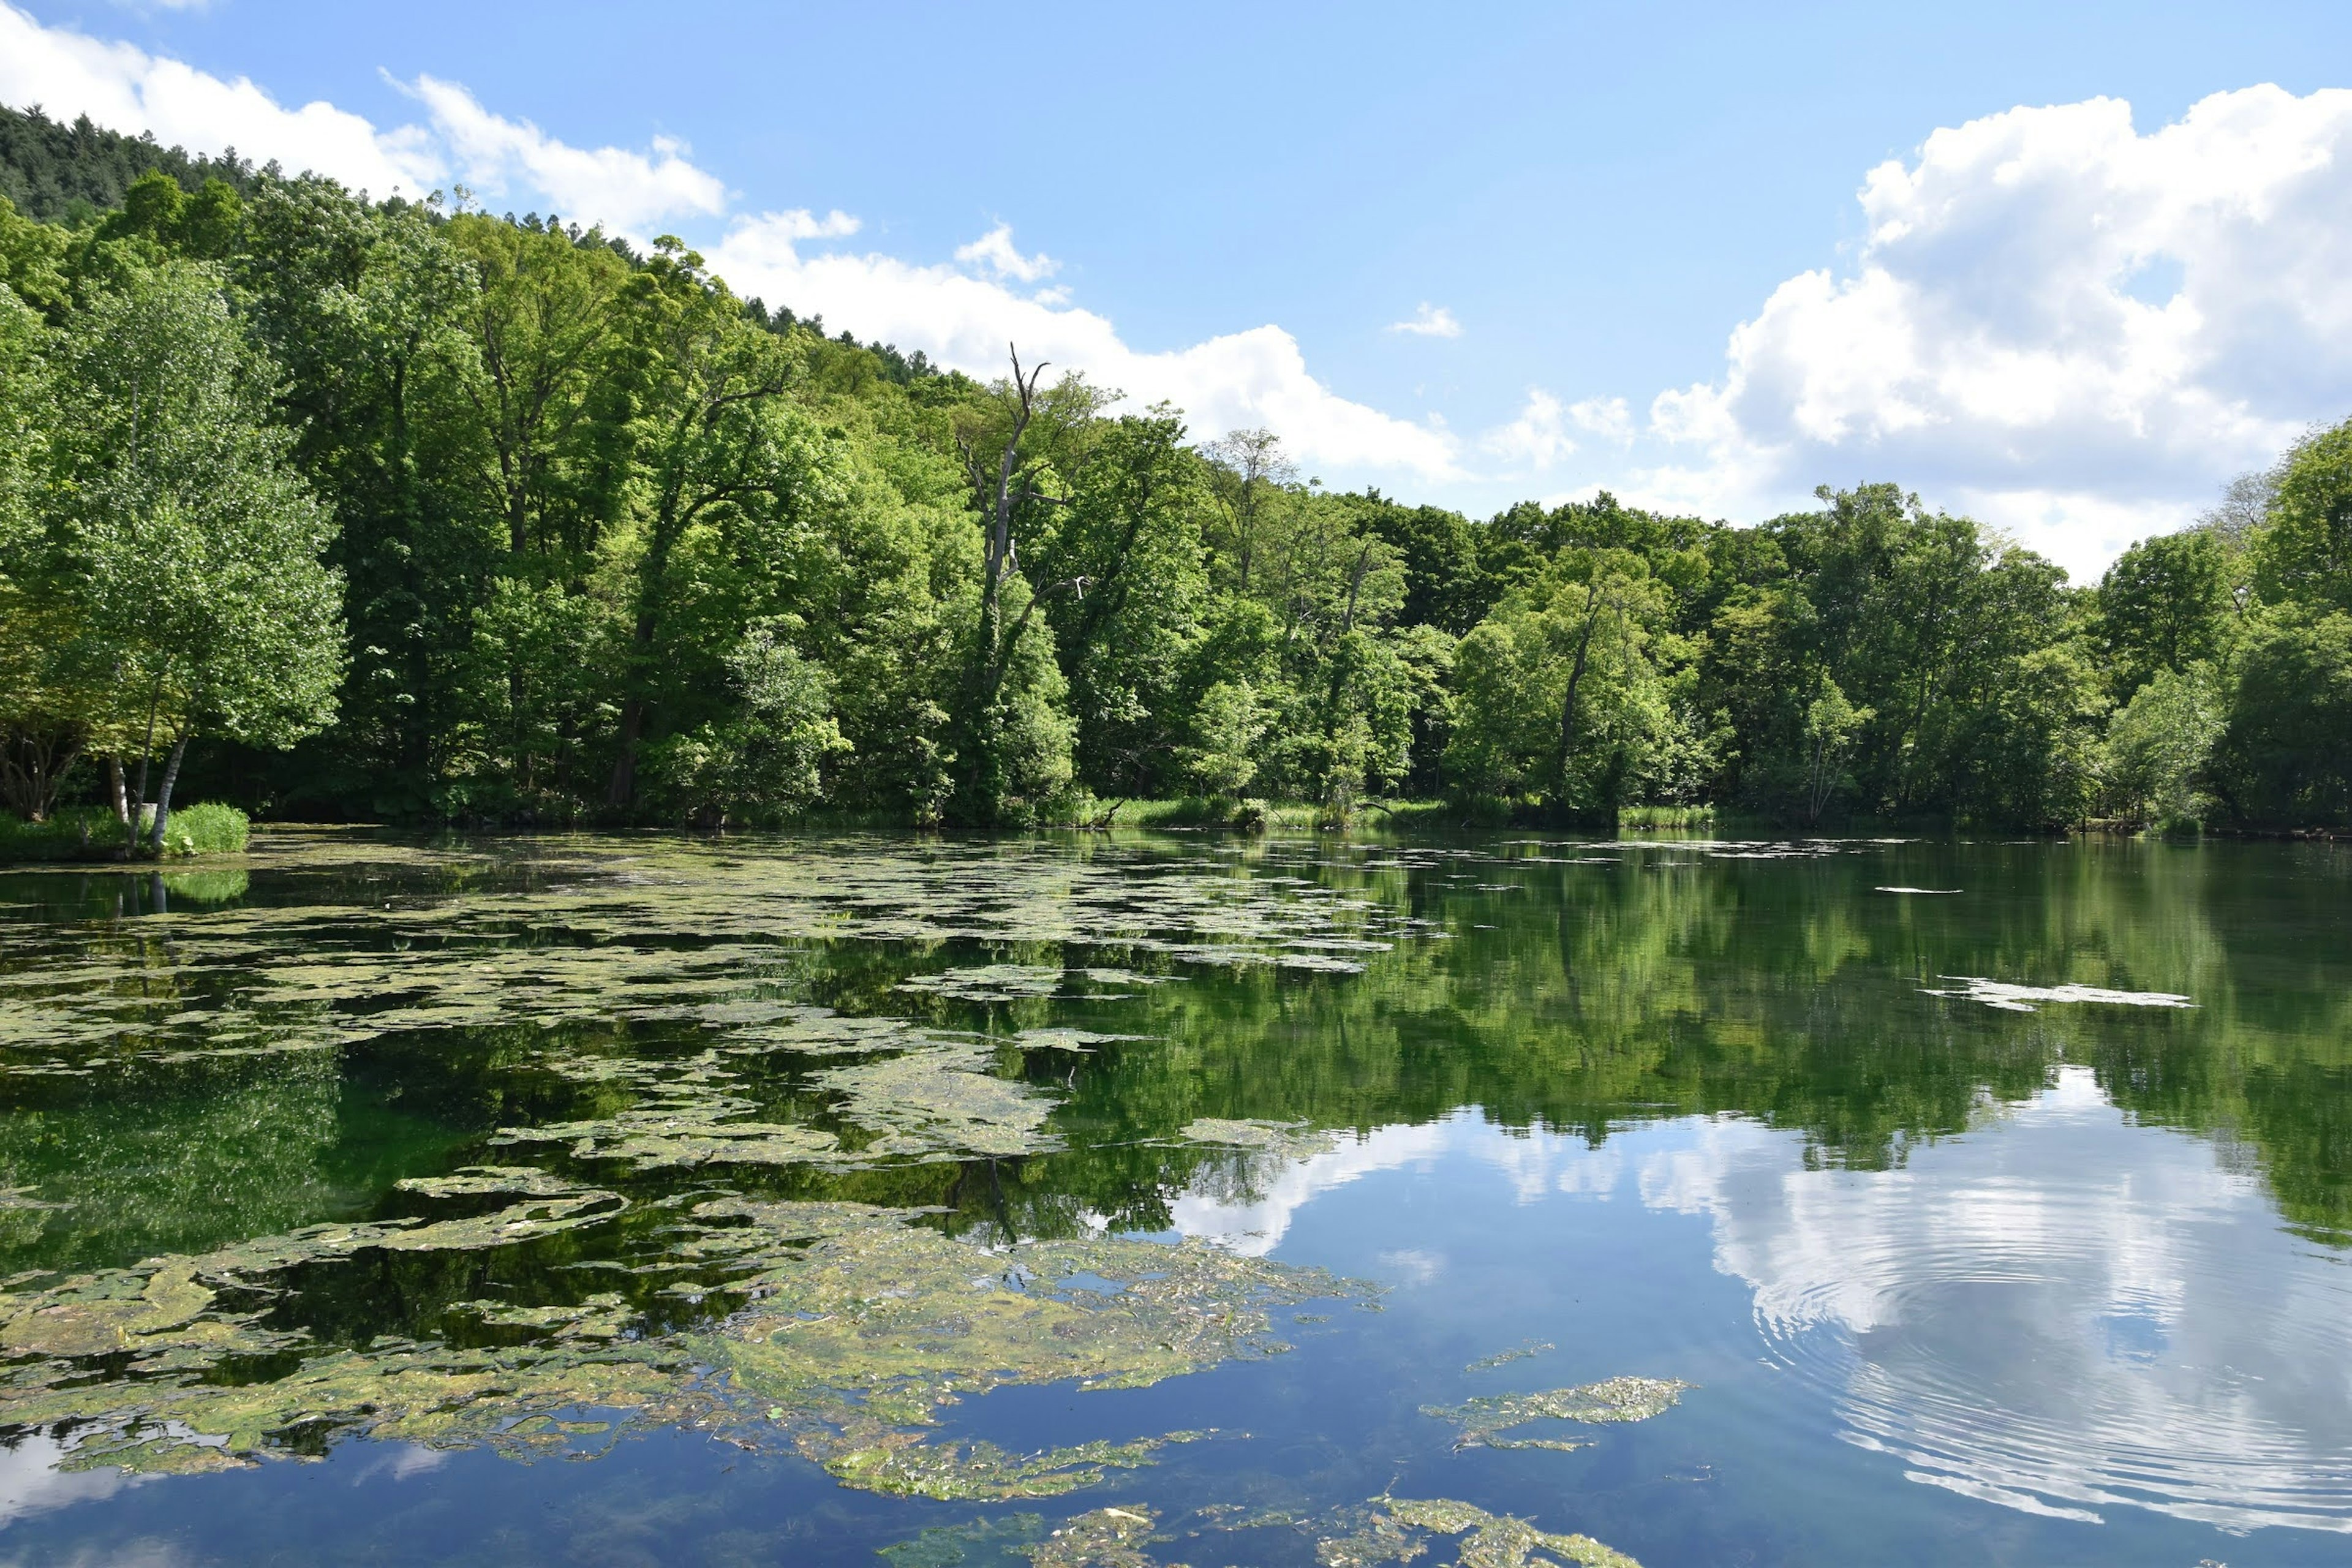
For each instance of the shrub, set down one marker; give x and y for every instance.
(206, 828)
(92, 833)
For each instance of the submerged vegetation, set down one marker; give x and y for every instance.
(344, 508)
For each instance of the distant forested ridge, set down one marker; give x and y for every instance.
(365, 509)
(76, 173)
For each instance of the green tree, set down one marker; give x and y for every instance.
(727, 464)
(763, 764)
(2165, 604)
(1831, 724)
(363, 308)
(181, 530)
(44, 722)
(2302, 554)
(2159, 745)
(2284, 756)
(1128, 542)
(1221, 756)
(1559, 693)
(1017, 444)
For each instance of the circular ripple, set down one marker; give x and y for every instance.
(2063, 1315)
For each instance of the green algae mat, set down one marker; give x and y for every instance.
(1176, 1199)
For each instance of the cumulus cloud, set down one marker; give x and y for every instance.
(1429, 322)
(1243, 379)
(995, 251)
(493, 155)
(1537, 438)
(2070, 327)
(1607, 417)
(125, 89)
(1239, 380)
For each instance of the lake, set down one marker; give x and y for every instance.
(1171, 1198)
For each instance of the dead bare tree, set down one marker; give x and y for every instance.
(1005, 479)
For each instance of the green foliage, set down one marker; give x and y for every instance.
(2284, 757)
(1559, 694)
(208, 827)
(2165, 604)
(2302, 554)
(1227, 725)
(608, 543)
(93, 833)
(763, 764)
(61, 172)
(2159, 745)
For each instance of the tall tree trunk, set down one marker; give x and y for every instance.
(1575, 678)
(122, 799)
(164, 793)
(625, 766)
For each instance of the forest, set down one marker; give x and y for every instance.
(342, 508)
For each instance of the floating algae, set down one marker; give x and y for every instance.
(1016, 982)
(1499, 1541)
(1060, 1038)
(1290, 1140)
(1387, 1530)
(936, 1103)
(983, 1543)
(960, 1472)
(608, 937)
(1376, 1536)
(1483, 1418)
(855, 1329)
(2011, 998)
(531, 1308)
(685, 1131)
(1517, 1352)
(1107, 1538)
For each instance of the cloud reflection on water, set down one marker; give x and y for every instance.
(2060, 1312)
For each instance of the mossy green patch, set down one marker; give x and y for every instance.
(1500, 1541)
(1106, 1538)
(855, 1329)
(1482, 1420)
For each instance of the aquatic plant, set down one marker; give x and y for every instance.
(1482, 1419)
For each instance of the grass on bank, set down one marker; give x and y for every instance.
(1306, 816)
(92, 833)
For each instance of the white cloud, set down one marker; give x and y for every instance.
(1430, 321)
(493, 155)
(1252, 378)
(995, 249)
(1537, 438)
(2052, 1313)
(125, 89)
(1607, 417)
(2071, 329)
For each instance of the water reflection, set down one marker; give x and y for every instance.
(2027, 1244)
(2061, 1312)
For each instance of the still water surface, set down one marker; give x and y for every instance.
(642, 1200)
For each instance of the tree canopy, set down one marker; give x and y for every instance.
(371, 509)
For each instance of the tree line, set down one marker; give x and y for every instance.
(346, 507)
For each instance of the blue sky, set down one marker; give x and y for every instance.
(1596, 197)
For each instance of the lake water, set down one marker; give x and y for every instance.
(1173, 1199)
